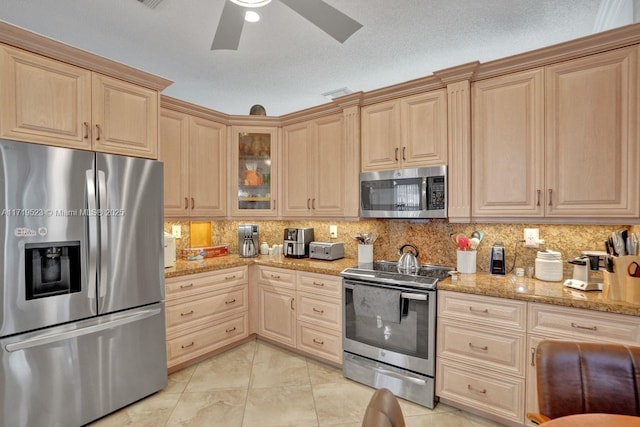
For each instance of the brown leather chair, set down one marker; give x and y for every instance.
(578, 378)
(383, 411)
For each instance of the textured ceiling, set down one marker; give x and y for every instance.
(284, 62)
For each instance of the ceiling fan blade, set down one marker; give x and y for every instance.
(326, 17)
(229, 27)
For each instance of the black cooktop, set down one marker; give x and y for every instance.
(387, 272)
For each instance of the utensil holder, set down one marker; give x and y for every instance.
(466, 262)
(365, 254)
(623, 287)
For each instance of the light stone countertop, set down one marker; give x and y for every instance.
(523, 289)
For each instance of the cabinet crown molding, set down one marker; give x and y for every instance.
(457, 73)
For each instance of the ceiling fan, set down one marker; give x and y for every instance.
(322, 15)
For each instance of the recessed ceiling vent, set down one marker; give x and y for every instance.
(150, 3)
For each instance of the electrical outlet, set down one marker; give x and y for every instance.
(531, 238)
(176, 231)
(333, 231)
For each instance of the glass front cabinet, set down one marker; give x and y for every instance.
(254, 171)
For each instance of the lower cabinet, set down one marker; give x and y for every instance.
(205, 312)
(301, 310)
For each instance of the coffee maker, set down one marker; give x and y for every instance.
(248, 240)
(296, 242)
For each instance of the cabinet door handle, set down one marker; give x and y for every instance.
(538, 198)
(315, 310)
(308, 204)
(274, 204)
(186, 203)
(477, 347)
(193, 203)
(470, 388)
(190, 285)
(533, 356)
(588, 328)
(396, 154)
(86, 130)
(319, 342)
(292, 303)
(230, 302)
(188, 345)
(229, 277)
(97, 132)
(404, 153)
(318, 283)
(230, 330)
(188, 313)
(475, 310)
(550, 193)
(313, 203)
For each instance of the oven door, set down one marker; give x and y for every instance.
(408, 344)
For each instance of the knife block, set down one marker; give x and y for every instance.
(623, 287)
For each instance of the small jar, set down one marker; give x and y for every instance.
(264, 248)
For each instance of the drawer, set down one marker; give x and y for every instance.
(489, 349)
(178, 287)
(199, 341)
(500, 395)
(193, 310)
(320, 342)
(583, 324)
(483, 310)
(276, 277)
(321, 284)
(323, 311)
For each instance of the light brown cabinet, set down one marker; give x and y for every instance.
(276, 310)
(409, 132)
(314, 168)
(205, 312)
(54, 103)
(193, 150)
(254, 171)
(537, 133)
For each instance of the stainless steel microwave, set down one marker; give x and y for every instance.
(404, 193)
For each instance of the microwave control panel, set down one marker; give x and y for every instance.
(436, 192)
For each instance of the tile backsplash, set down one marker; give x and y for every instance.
(430, 237)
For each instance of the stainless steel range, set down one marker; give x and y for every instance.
(389, 322)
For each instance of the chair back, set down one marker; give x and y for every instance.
(577, 378)
(383, 411)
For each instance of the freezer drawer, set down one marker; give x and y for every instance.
(72, 374)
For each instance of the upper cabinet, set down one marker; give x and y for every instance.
(559, 141)
(254, 171)
(409, 132)
(314, 168)
(54, 103)
(194, 152)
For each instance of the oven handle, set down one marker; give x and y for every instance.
(402, 377)
(403, 295)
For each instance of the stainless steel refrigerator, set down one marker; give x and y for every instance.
(82, 329)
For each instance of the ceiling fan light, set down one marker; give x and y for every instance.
(251, 16)
(251, 3)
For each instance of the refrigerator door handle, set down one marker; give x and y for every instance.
(102, 194)
(93, 232)
(48, 338)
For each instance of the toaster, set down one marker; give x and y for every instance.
(326, 250)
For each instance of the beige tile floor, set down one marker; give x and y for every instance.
(258, 384)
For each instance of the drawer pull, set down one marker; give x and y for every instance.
(475, 310)
(230, 330)
(229, 277)
(470, 388)
(187, 313)
(275, 276)
(477, 347)
(315, 310)
(190, 285)
(230, 302)
(188, 345)
(319, 342)
(588, 328)
(318, 284)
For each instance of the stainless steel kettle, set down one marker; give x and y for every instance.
(408, 263)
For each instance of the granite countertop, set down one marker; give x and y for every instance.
(523, 289)
(183, 268)
(533, 290)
